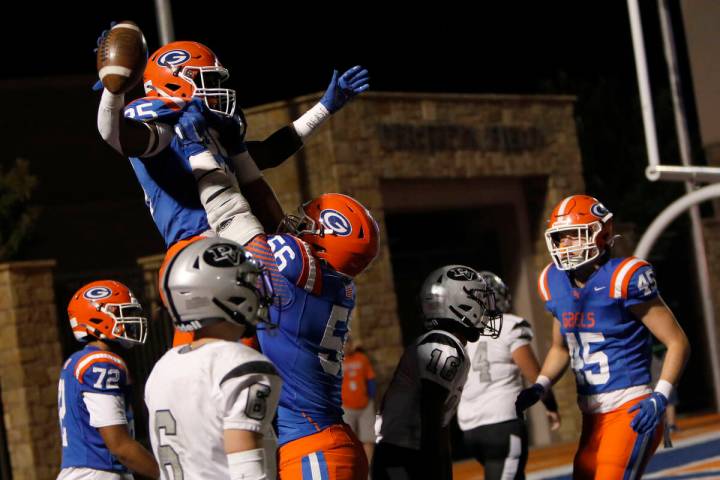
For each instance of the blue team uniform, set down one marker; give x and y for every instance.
(313, 313)
(609, 347)
(90, 370)
(170, 189)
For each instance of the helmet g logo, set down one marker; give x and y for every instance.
(223, 255)
(336, 222)
(462, 274)
(96, 293)
(599, 210)
(173, 58)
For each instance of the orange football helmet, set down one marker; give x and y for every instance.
(187, 70)
(579, 230)
(339, 230)
(107, 310)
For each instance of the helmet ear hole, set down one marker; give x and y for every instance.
(96, 321)
(236, 300)
(172, 86)
(318, 248)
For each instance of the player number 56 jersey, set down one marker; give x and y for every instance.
(312, 312)
(437, 356)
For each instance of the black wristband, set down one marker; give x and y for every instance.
(549, 401)
(274, 150)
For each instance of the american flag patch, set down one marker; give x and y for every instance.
(349, 291)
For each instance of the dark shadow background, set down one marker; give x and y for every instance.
(93, 216)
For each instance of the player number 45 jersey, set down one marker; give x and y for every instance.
(609, 347)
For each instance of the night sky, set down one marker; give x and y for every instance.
(277, 52)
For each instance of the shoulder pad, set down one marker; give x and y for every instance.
(439, 359)
(437, 337)
(544, 285)
(152, 109)
(101, 370)
(254, 367)
(521, 330)
(623, 273)
(296, 262)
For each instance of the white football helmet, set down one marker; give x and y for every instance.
(213, 280)
(458, 294)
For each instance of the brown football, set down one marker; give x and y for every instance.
(121, 57)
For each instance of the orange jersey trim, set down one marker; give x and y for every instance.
(92, 358)
(543, 284)
(620, 280)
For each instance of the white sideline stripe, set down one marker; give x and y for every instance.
(114, 70)
(550, 472)
(679, 469)
(686, 442)
(126, 25)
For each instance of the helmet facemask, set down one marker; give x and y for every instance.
(489, 322)
(130, 325)
(583, 250)
(206, 82)
(302, 224)
(257, 283)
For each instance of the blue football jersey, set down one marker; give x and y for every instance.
(609, 347)
(90, 370)
(170, 189)
(312, 314)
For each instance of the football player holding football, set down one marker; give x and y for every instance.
(188, 75)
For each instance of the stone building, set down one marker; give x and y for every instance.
(449, 178)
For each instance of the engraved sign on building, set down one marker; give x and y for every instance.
(439, 138)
